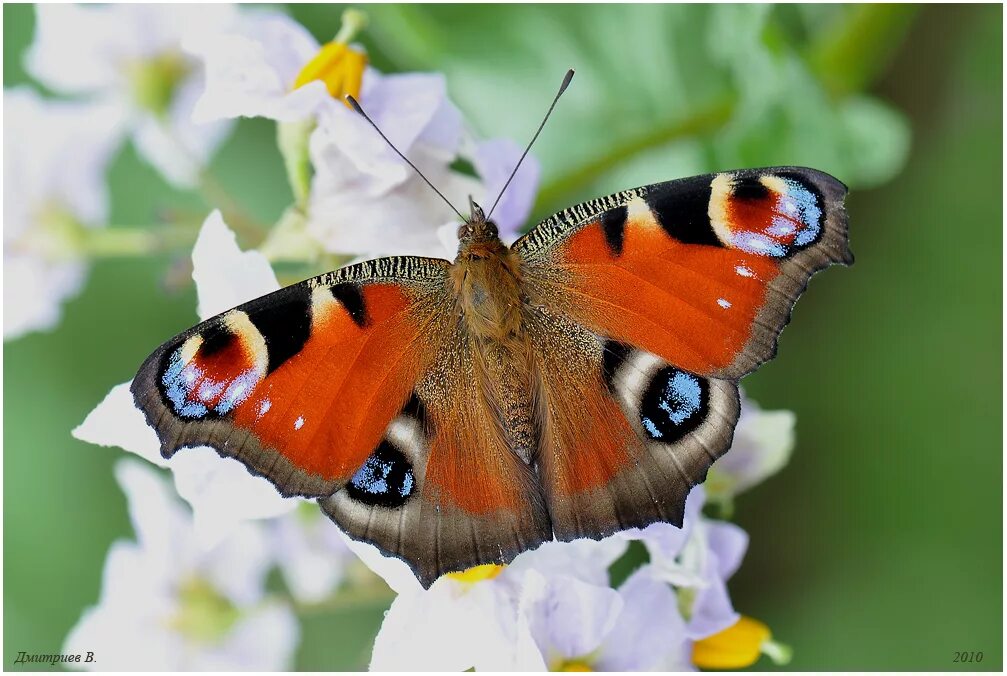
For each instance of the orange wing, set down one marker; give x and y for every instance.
(624, 434)
(292, 383)
(702, 272)
(650, 305)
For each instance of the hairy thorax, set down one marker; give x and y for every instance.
(487, 286)
(486, 280)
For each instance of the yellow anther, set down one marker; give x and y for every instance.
(204, 614)
(487, 571)
(737, 647)
(338, 65)
(573, 665)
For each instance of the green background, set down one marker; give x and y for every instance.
(880, 545)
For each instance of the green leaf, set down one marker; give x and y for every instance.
(877, 140)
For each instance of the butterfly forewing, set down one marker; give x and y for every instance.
(290, 383)
(702, 271)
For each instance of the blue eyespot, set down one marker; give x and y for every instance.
(177, 382)
(385, 479)
(674, 404)
(810, 213)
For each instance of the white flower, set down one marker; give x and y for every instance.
(454, 626)
(221, 491)
(168, 604)
(475, 619)
(763, 441)
(311, 552)
(587, 627)
(226, 276)
(251, 68)
(366, 200)
(697, 560)
(54, 186)
(131, 55)
(495, 161)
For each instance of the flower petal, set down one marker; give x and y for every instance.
(664, 541)
(266, 640)
(221, 491)
(585, 560)
(85, 35)
(178, 147)
(728, 543)
(116, 421)
(34, 293)
(712, 610)
(568, 618)
(311, 553)
(237, 566)
(441, 630)
(650, 632)
(225, 275)
(250, 70)
(494, 161)
(395, 572)
(763, 442)
(404, 220)
(156, 513)
(402, 106)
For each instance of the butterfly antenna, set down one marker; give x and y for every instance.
(356, 107)
(562, 88)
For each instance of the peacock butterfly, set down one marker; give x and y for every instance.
(574, 384)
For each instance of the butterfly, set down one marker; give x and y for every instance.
(577, 383)
(572, 385)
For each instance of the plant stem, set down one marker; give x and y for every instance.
(214, 194)
(118, 242)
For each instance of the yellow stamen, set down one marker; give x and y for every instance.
(573, 665)
(154, 80)
(338, 65)
(736, 647)
(204, 614)
(487, 571)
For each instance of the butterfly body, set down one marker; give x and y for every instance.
(486, 279)
(574, 384)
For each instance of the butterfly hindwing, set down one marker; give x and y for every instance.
(626, 435)
(702, 271)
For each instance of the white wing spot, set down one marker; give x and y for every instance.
(724, 303)
(299, 423)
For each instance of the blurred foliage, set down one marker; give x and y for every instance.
(665, 90)
(880, 547)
